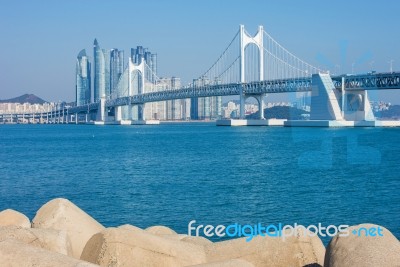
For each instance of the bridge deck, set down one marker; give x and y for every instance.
(370, 81)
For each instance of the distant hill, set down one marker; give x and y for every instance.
(26, 98)
(280, 112)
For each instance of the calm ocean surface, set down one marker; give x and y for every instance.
(172, 174)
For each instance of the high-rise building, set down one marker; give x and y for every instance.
(116, 68)
(205, 108)
(107, 72)
(138, 54)
(99, 72)
(102, 72)
(83, 82)
(170, 109)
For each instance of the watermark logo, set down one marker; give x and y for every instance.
(277, 230)
(368, 231)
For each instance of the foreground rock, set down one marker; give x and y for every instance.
(270, 251)
(61, 214)
(199, 240)
(14, 218)
(131, 246)
(54, 240)
(18, 254)
(160, 230)
(355, 250)
(227, 263)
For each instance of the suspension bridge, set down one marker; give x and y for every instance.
(250, 66)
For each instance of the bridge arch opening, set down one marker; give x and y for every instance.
(254, 106)
(252, 62)
(136, 82)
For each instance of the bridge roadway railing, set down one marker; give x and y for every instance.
(83, 109)
(369, 81)
(259, 87)
(278, 86)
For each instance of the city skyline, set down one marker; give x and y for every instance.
(182, 38)
(109, 67)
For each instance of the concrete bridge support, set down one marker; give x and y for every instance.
(324, 99)
(328, 103)
(118, 113)
(141, 116)
(101, 112)
(260, 101)
(357, 106)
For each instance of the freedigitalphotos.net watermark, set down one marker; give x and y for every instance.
(278, 230)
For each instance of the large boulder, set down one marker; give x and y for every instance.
(129, 246)
(297, 250)
(199, 240)
(14, 218)
(227, 263)
(160, 230)
(379, 248)
(156, 230)
(50, 239)
(61, 214)
(130, 227)
(14, 253)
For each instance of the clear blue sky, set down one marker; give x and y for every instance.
(41, 39)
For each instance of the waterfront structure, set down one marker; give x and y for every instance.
(83, 79)
(335, 100)
(29, 113)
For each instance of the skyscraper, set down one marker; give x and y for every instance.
(116, 68)
(205, 108)
(107, 72)
(139, 53)
(83, 88)
(99, 72)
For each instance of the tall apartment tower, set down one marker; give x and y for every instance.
(205, 108)
(102, 72)
(116, 69)
(99, 88)
(83, 81)
(139, 53)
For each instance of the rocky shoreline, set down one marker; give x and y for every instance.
(61, 234)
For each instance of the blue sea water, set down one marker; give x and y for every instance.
(173, 173)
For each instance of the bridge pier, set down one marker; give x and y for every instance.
(118, 113)
(260, 101)
(328, 103)
(242, 114)
(357, 106)
(101, 112)
(141, 115)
